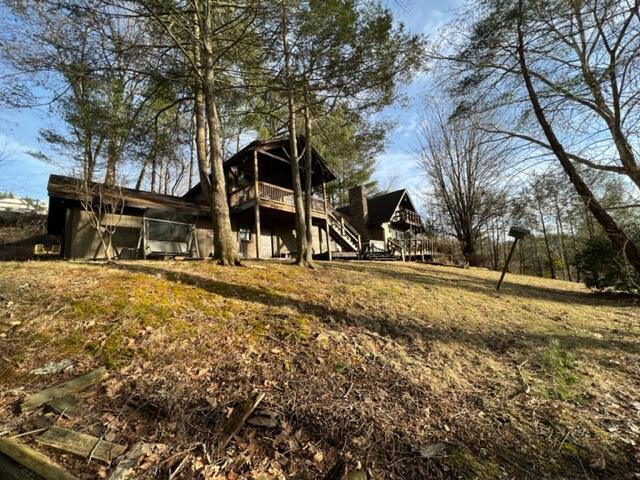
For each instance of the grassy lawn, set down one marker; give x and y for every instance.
(414, 371)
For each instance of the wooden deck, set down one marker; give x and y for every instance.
(271, 196)
(407, 217)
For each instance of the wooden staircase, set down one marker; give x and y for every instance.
(345, 235)
(342, 232)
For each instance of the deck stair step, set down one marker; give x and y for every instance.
(342, 232)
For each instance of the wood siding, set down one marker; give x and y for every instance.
(83, 242)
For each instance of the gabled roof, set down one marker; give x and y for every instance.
(69, 188)
(382, 207)
(269, 148)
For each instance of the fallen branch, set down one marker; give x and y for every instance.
(235, 422)
(130, 459)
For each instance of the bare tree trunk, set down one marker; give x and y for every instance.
(154, 173)
(493, 246)
(224, 243)
(521, 257)
(588, 220)
(537, 265)
(617, 235)
(89, 161)
(560, 228)
(112, 158)
(563, 245)
(552, 268)
(141, 175)
(167, 177)
(575, 247)
(301, 236)
(308, 159)
(192, 149)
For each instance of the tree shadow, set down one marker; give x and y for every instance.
(414, 274)
(400, 452)
(399, 328)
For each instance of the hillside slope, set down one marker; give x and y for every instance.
(414, 371)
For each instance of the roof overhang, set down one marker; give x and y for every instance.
(70, 188)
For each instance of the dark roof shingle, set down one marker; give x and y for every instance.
(381, 207)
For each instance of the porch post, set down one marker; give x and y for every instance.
(256, 194)
(326, 218)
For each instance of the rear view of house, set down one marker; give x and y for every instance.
(259, 188)
(382, 217)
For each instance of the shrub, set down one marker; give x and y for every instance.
(604, 268)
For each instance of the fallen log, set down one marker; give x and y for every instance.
(65, 405)
(81, 444)
(70, 386)
(34, 460)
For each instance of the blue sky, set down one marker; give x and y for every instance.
(26, 176)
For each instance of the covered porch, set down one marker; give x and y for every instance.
(260, 185)
(275, 236)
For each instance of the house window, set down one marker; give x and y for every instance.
(245, 234)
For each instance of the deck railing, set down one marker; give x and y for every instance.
(272, 193)
(407, 216)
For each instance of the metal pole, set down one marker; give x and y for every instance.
(506, 264)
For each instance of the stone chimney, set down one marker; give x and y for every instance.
(359, 211)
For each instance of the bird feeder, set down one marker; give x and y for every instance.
(517, 233)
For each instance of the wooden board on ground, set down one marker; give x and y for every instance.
(70, 386)
(234, 423)
(33, 460)
(81, 444)
(65, 405)
(126, 466)
(11, 470)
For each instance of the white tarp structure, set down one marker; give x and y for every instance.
(21, 205)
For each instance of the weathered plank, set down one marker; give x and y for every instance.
(65, 405)
(10, 470)
(33, 460)
(70, 386)
(81, 444)
(125, 468)
(234, 423)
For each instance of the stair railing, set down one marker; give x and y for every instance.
(394, 246)
(345, 228)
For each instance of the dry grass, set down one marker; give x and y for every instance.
(375, 363)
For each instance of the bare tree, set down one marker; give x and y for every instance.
(564, 78)
(104, 206)
(465, 167)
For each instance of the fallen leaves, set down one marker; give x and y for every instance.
(359, 361)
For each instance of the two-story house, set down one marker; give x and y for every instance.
(260, 194)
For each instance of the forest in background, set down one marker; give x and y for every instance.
(536, 124)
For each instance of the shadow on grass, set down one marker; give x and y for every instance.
(399, 329)
(505, 449)
(460, 279)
